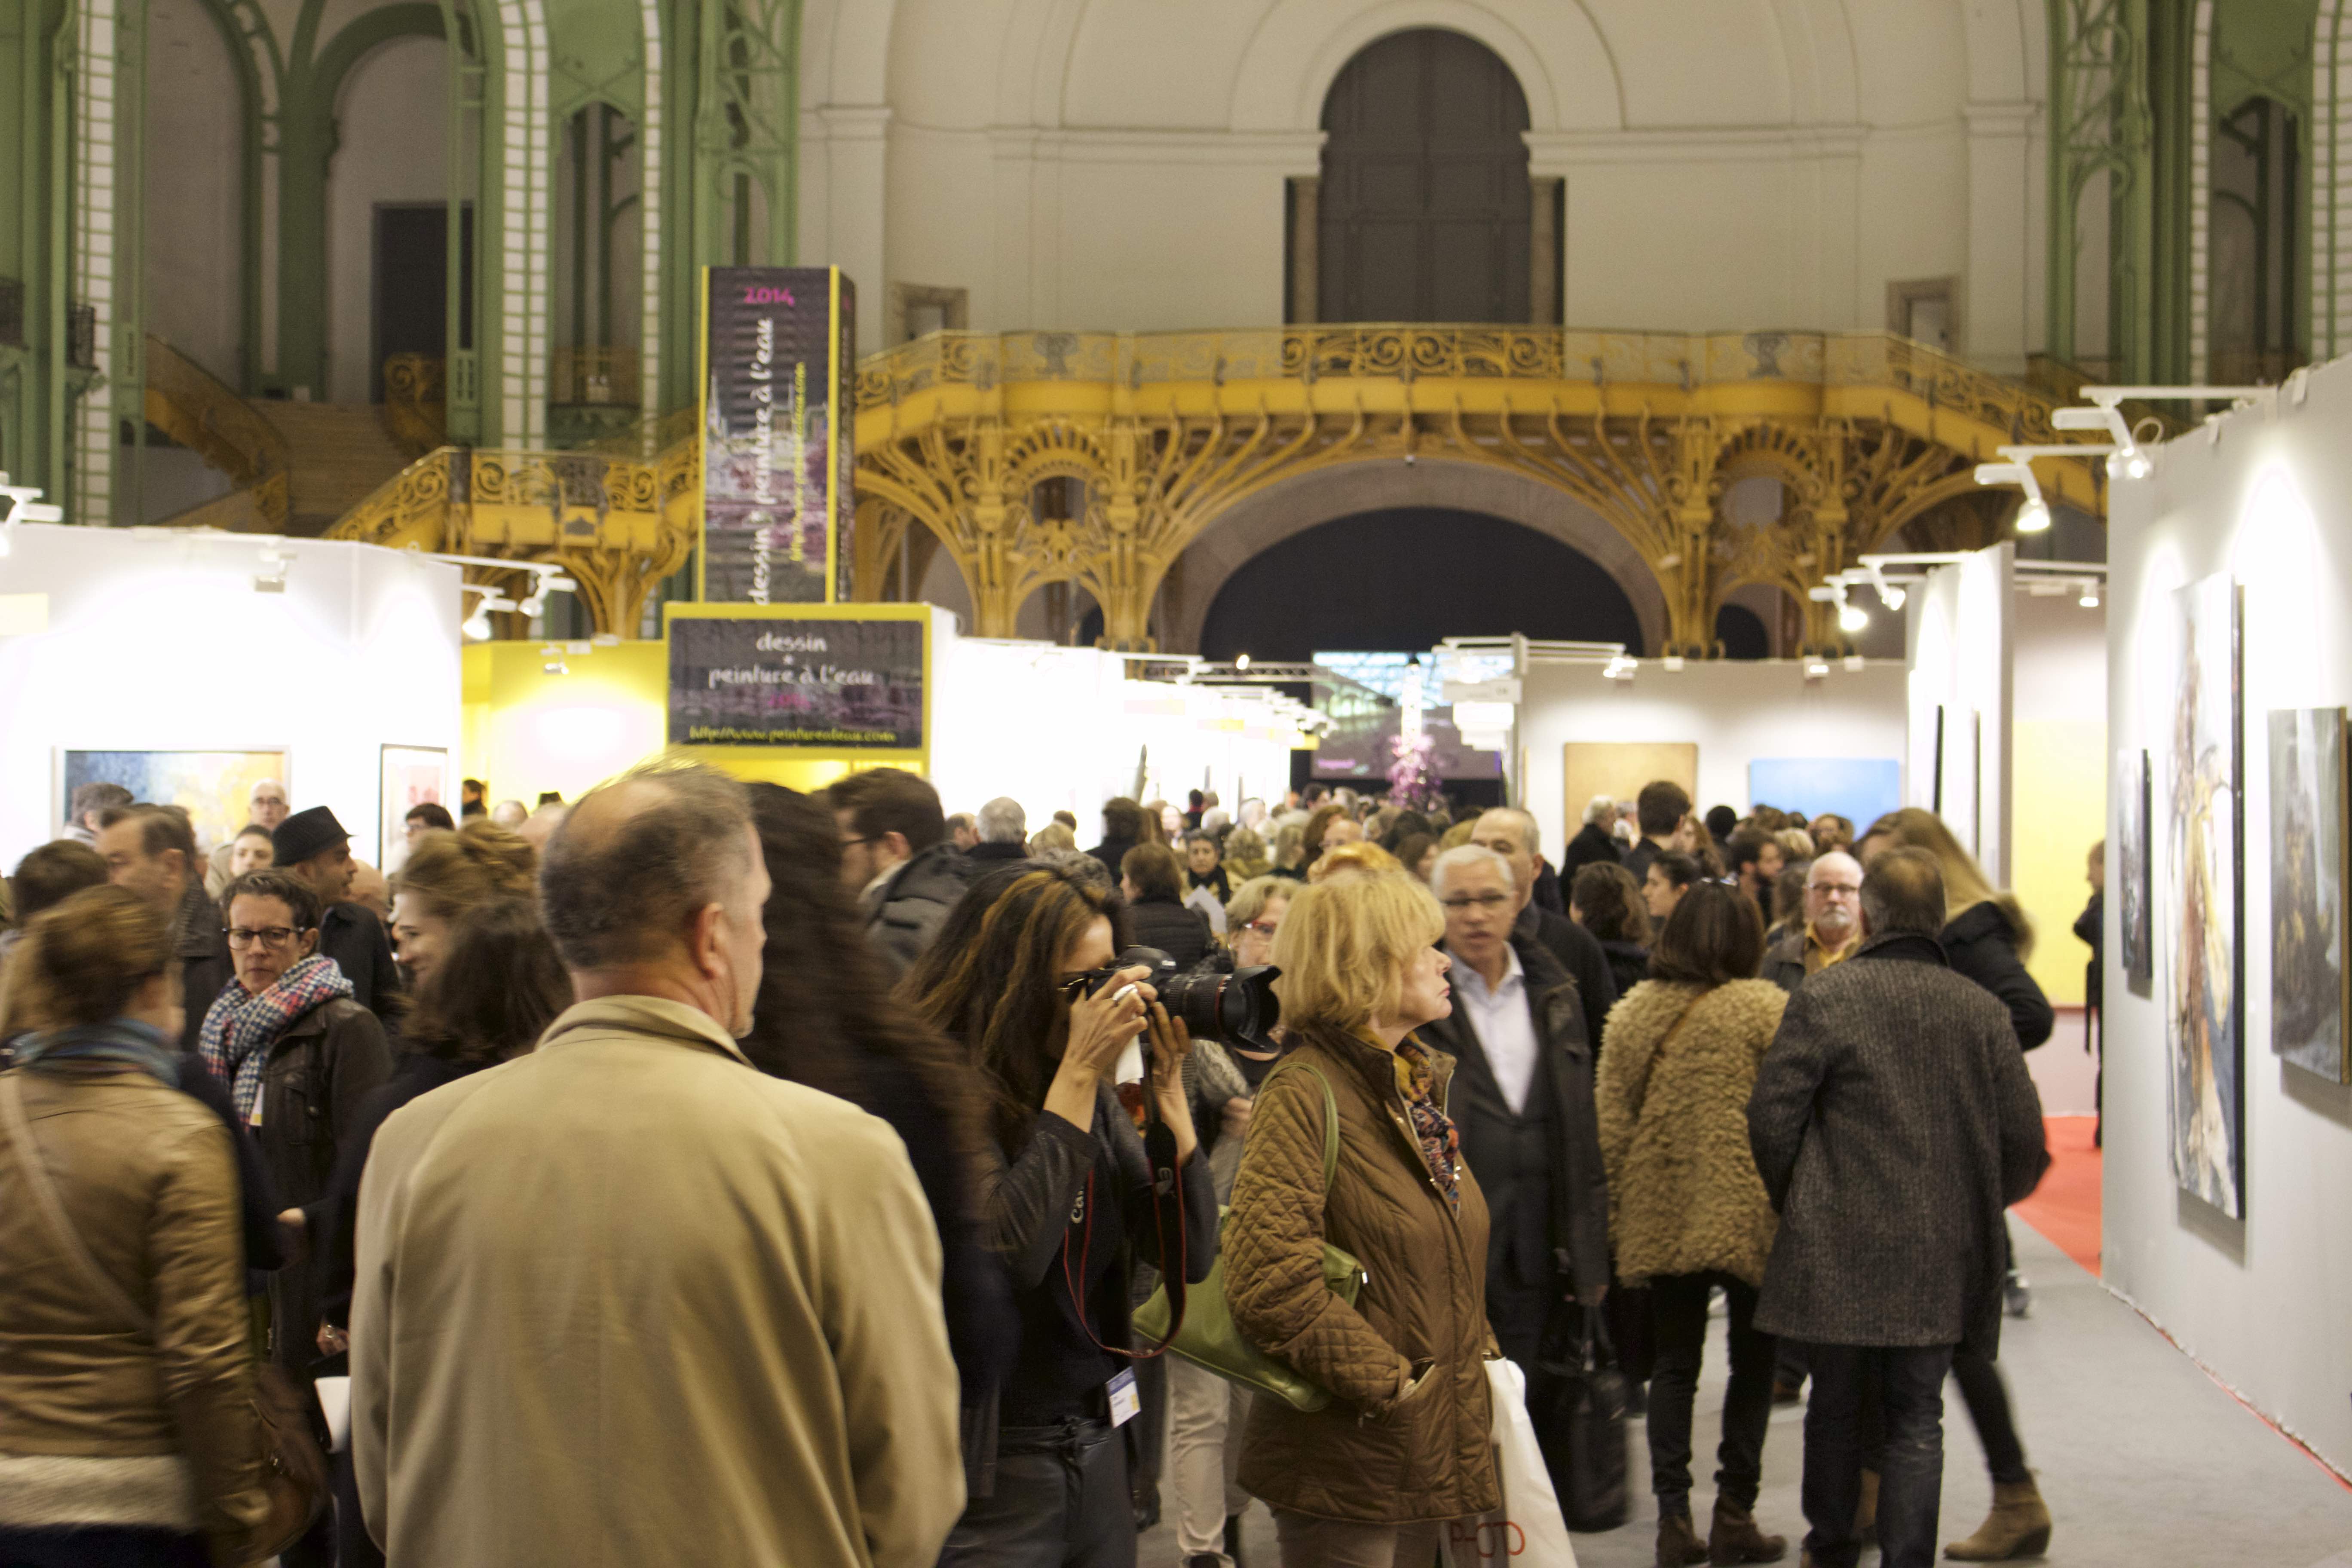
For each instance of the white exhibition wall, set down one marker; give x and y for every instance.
(1737, 712)
(1063, 729)
(156, 641)
(2266, 1300)
(1958, 699)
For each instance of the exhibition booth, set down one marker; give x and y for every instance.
(2229, 1114)
(186, 666)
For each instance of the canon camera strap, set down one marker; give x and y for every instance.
(1167, 1219)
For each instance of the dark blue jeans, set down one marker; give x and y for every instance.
(1678, 1311)
(1910, 1383)
(1061, 1501)
(101, 1546)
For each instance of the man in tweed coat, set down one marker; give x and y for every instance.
(1892, 1122)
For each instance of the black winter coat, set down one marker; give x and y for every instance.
(1590, 845)
(1110, 852)
(2091, 928)
(1892, 1122)
(1175, 928)
(354, 939)
(1629, 964)
(914, 904)
(1982, 945)
(1578, 951)
(1579, 1184)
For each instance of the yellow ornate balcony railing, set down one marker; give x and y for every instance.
(1866, 433)
(617, 525)
(595, 376)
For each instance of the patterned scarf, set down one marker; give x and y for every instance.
(242, 1027)
(1441, 1144)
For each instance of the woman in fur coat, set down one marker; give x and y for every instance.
(1687, 1211)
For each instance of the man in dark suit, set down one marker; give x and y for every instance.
(1522, 1101)
(1892, 1122)
(1514, 835)
(152, 850)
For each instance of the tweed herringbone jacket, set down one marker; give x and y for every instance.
(1892, 1122)
(1684, 1195)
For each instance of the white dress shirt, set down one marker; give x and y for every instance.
(1506, 1029)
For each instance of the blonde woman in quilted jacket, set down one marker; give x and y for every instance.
(1688, 1210)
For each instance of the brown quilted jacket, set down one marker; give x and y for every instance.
(1369, 1455)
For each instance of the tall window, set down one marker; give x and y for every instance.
(1424, 200)
(2257, 242)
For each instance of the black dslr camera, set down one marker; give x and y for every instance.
(1238, 1008)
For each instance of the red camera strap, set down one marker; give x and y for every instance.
(1167, 1217)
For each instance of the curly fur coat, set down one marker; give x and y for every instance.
(1684, 1195)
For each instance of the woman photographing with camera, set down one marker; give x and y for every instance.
(1403, 1446)
(1021, 978)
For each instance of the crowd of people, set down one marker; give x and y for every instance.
(707, 1171)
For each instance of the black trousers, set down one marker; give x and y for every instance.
(1678, 1316)
(1987, 1398)
(1061, 1501)
(1519, 1314)
(1910, 1383)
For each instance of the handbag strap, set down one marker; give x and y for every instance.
(38, 1182)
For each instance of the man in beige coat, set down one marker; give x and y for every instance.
(626, 1300)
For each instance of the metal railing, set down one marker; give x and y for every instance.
(594, 377)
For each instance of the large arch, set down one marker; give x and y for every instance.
(1293, 506)
(1298, 50)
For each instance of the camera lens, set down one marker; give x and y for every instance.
(1233, 1009)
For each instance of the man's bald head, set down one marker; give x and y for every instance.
(1902, 891)
(638, 858)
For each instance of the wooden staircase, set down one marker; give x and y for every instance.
(337, 455)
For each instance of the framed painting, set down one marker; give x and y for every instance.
(2129, 858)
(1860, 789)
(2308, 971)
(413, 776)
(215, 787)
(2204, 883)
(1619, 768)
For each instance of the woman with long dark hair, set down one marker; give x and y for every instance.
(825, 1017)
(1066, 1201)
(1605, 900)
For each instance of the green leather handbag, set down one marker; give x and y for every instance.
(1208, 1337)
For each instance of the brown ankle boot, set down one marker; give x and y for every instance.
(1865, 1513)
(2019, 1526)
(1678, 1544)
(1735, 1538)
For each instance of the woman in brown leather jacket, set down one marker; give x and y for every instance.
(129, 1434)
(1405, 1445)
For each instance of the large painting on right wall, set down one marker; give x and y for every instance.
(2307, 866)
(2203, 879)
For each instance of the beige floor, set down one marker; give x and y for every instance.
(2146, 1463)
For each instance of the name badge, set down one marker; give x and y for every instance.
(1126, 1404)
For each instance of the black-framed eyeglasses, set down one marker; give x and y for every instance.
(267, 936)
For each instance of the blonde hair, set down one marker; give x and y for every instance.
(1459, 834)
(1362, 855)
(1052, 836)
(1795, 843)
(1965, 883)
(1244, 854)
(458, 872)
(1344, 945)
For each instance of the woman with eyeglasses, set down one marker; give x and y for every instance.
(1017, 978)
(297, 1055)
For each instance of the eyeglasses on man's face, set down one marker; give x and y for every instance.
(267, 936)
(1477, 901)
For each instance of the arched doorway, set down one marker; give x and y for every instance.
(1424, 205)
(1404, 579)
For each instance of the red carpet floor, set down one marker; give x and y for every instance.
(2065, 1207)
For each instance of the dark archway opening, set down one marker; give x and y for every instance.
(1742, 633)
(1425, 207)
(1408, 578)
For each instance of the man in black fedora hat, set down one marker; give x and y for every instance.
(312, 845)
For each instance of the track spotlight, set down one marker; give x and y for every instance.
(1853, 617)
(2033, 517)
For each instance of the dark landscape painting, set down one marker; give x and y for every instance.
(2307, 968)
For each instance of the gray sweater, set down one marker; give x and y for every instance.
(1893, 1122)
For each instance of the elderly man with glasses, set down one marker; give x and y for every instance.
(1832, 923)
(1522, 1100)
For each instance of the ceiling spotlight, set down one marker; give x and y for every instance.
(555, 667)
(476, 626)
(1816, 668)
(2131, 463)
(2090, 599)
(1620, 667)
(1853, 617)
(2033, 517)
(1891, 596)
(1241, 663)
(534, 604)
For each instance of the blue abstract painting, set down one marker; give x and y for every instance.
(1859, 789)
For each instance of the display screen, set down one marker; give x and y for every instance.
(1361, 742)
(820, 684)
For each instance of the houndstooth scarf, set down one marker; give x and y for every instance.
(242, 1027)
